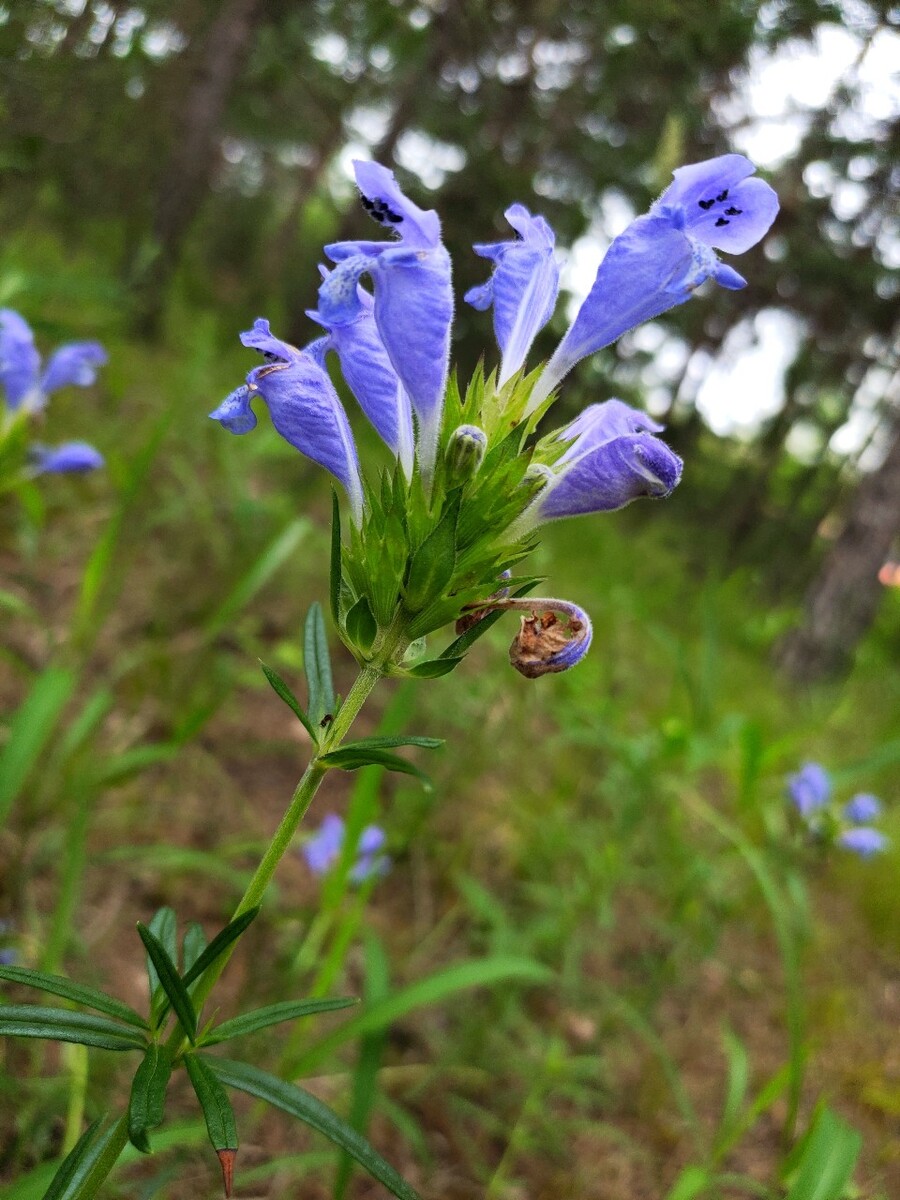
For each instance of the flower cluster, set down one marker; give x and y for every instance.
(472, 484)
(850, 826)
(27, 388)
(323, 849)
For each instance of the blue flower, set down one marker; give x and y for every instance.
(862, 808)
(863, 840)
(27, 389)
(613, 459)
(8, 957)
(664, 256)
(522, 288)
(809, 788)
(69, 458)
(413, 296)
(303, 405)
(323, 850)
(369, 373)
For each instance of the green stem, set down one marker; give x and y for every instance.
(296, 811)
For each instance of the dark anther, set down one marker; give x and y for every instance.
(722, 195)
(366, 203)
(722, 221)
(706, 204)
(393, 217)
(731, 211)
(270, 357)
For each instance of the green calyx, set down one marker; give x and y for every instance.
(422, 557)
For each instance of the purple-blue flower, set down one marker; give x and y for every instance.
(25, 386)
(303, 405)
(413, 296)
(862, 808)
(353, 335)
(522, 288)
(323, 849)
(863, 840)
(27, 389)
(664, 256)
(613, 458)
(809, 788)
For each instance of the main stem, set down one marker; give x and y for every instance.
(117, 1136)
(296, 811)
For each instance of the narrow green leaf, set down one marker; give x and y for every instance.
(31, 729)
(361, 626)
(334, 579)
(170, 981)
(78, 1163)
(307, 1108)
(164, 927)
(214, 1103)
(146, 1107)
(193, 945)
(272, 1014)
(827, 1160)
(78, 992)
(63, 1025)
(738, 1081)
(348, 759)
(317, 665)
(434, 668)
(389, 743)
(282, 690)
(220, 944)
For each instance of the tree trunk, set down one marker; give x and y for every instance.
(186, 178)
(843, 599)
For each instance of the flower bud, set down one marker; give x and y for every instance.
(465, 452)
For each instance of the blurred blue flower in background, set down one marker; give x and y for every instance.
(323, 849)
(27, 388)
(810, 791)
(810, 788)
(863, 840)
(862, 808)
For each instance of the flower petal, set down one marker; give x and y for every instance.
(235, 412)
(69, 458)
(261, 338)
(73, 364)
(609, 476)
(20, 363)
(647, 270)
(371, 377)
(386, 204)
(722, 206)
(307, 412)
(601, 423)
(524, 286)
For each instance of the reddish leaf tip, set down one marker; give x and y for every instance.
(226, 1161)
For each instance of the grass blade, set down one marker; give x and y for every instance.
(30, 731)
